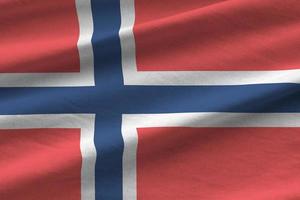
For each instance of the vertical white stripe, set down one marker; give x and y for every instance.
(130, 138)
(127, 40)
(86, 27)
(88, 152)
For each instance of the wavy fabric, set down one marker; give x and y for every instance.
(149, 99)
(217, 35)
(39, 36)
(214, 163)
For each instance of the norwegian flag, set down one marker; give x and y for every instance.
(149, 99)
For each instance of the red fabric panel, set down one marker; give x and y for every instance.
(38, 36)
(40, 164)
(217, 35)
(218, 163)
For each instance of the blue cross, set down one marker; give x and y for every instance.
(110, 99)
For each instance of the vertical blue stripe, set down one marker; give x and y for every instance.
(108, 139)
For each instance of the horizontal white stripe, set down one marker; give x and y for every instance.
(130, 123)
(214, 120)
(132, 77)
(83, 121)
(46, 79)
